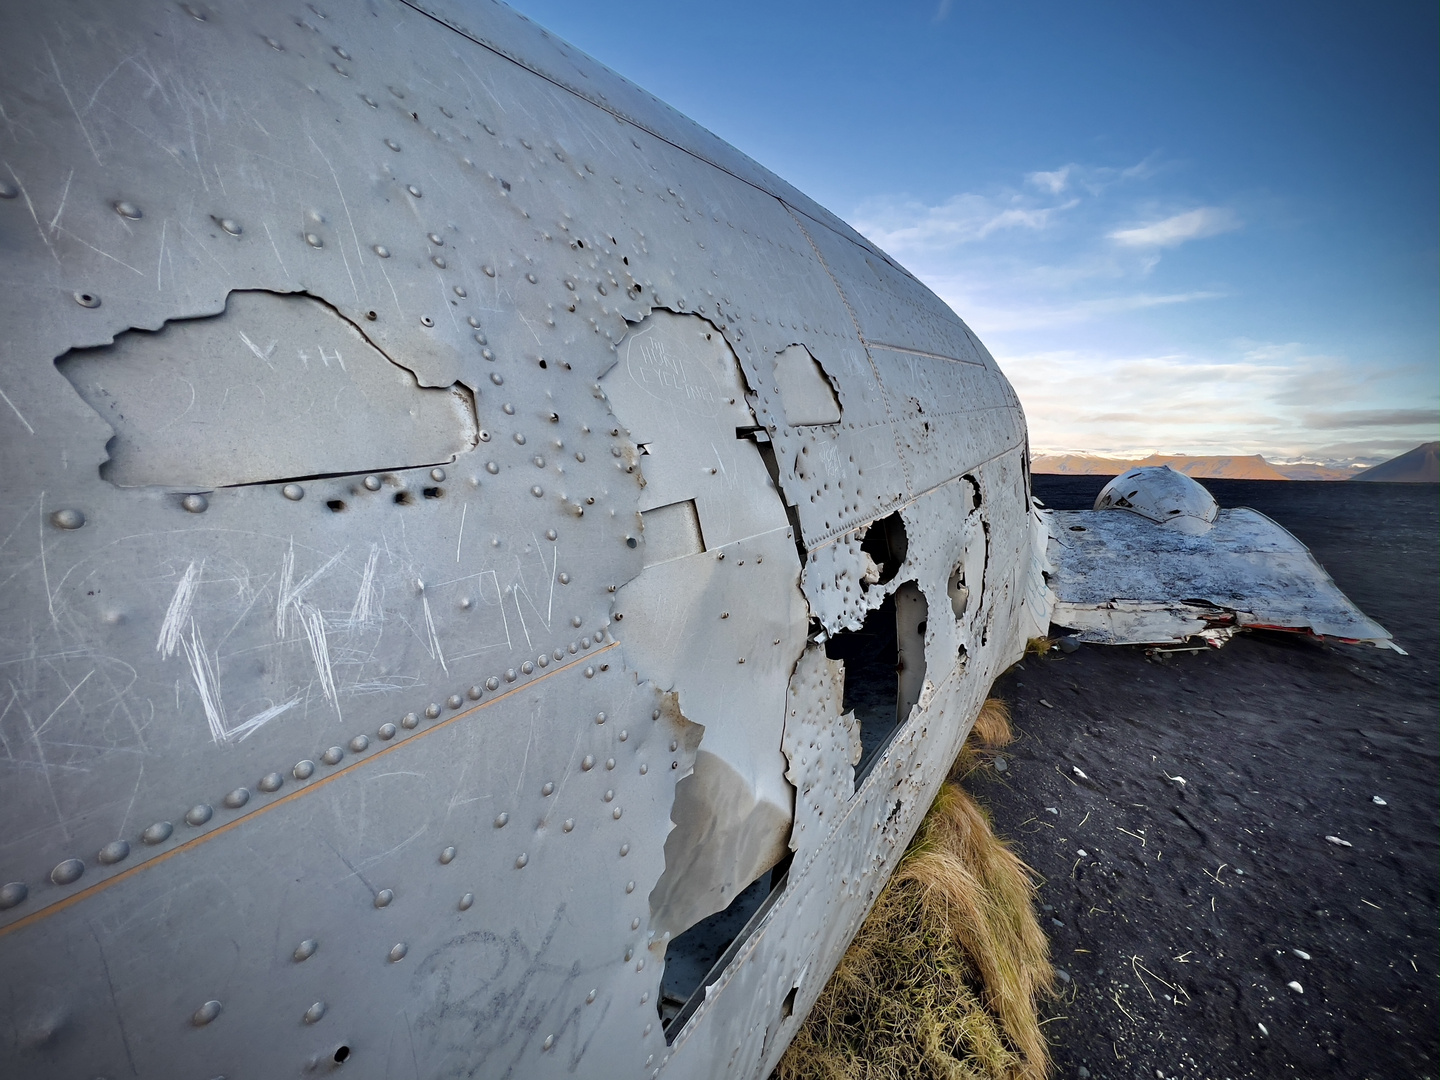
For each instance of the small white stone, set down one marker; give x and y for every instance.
(1293, 985)
(1083, 853)
(1338, 842)
(1263, 1030)
(1301, 953)
(1379, 801)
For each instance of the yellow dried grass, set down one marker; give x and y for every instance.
(943, 979)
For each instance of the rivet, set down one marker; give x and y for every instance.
(558, 654)
(630, 886)
(502, 819)
(67, 519)
(635, 925)
(432, 711)
(520, 437)
(413, 190)
(543, 660)
(438, 260)
(359, 744)
(409, 721)
(624, 734)
(196, 504)
(454, 701)
(590, 998)
(460, 292)
(609, 763)
(426, 320)
(368, 100)
(489, 271)
(486, 353)
(437, 475)
(674, 743)
(537, 491)
(13, 893)
(508, 409)
(584, 642)
(588, 763)
(492, 468)
(447, 856)
(548, 1043)
(237, 798)
(510, 675)
(381, 250)
(531, 278)
(157, 833)
(206, 1013)
(473, 693)
(629, 954)
(648, 1027)
(589, 672)
(393, 145)
(615, 813)
(333, 755)
(579, 456)
(313, 240)
(372, 483)
(386, 732)
(271, 782)
(549, 534)
(492, 683)
(305, 950)
(466, 901)
(644, 769)
(609, 795)
(640, 964)
(303, 770)
(198, 815)
(564, 579)
(521, 861)
(113, 852)
(67, 872)
(397, 953)
(569, 825)
(527, 667)
(575, 621)
(124, 208)
(624, 850)
(315, 1013)
(231, 226)
(384, 897)
(293, 492)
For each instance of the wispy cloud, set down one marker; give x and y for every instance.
(1375, 418)
(1059, 273)
(1171, 231)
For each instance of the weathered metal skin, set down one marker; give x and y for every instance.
(433, 467)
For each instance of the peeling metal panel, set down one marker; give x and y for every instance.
(806, 395)
(822, 746)
(1123, 580)
(237, 398)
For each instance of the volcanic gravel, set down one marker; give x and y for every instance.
(1183, 812)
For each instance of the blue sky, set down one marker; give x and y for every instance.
(1194, 228)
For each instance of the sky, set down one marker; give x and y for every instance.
(1188, 228)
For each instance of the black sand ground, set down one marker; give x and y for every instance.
(1181, 912)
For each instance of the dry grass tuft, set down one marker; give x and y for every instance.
(943, 978)
(1039, 646)
(992, 726)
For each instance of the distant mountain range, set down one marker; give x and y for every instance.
(1418, 466)
(1253, 467)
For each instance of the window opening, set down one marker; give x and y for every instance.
(697, 958)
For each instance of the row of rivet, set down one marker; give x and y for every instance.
(68, 871)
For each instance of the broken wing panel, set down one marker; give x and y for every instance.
(1122, 580)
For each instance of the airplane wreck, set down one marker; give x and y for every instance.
(493, 577)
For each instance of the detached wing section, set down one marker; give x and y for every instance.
(1120, 579)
